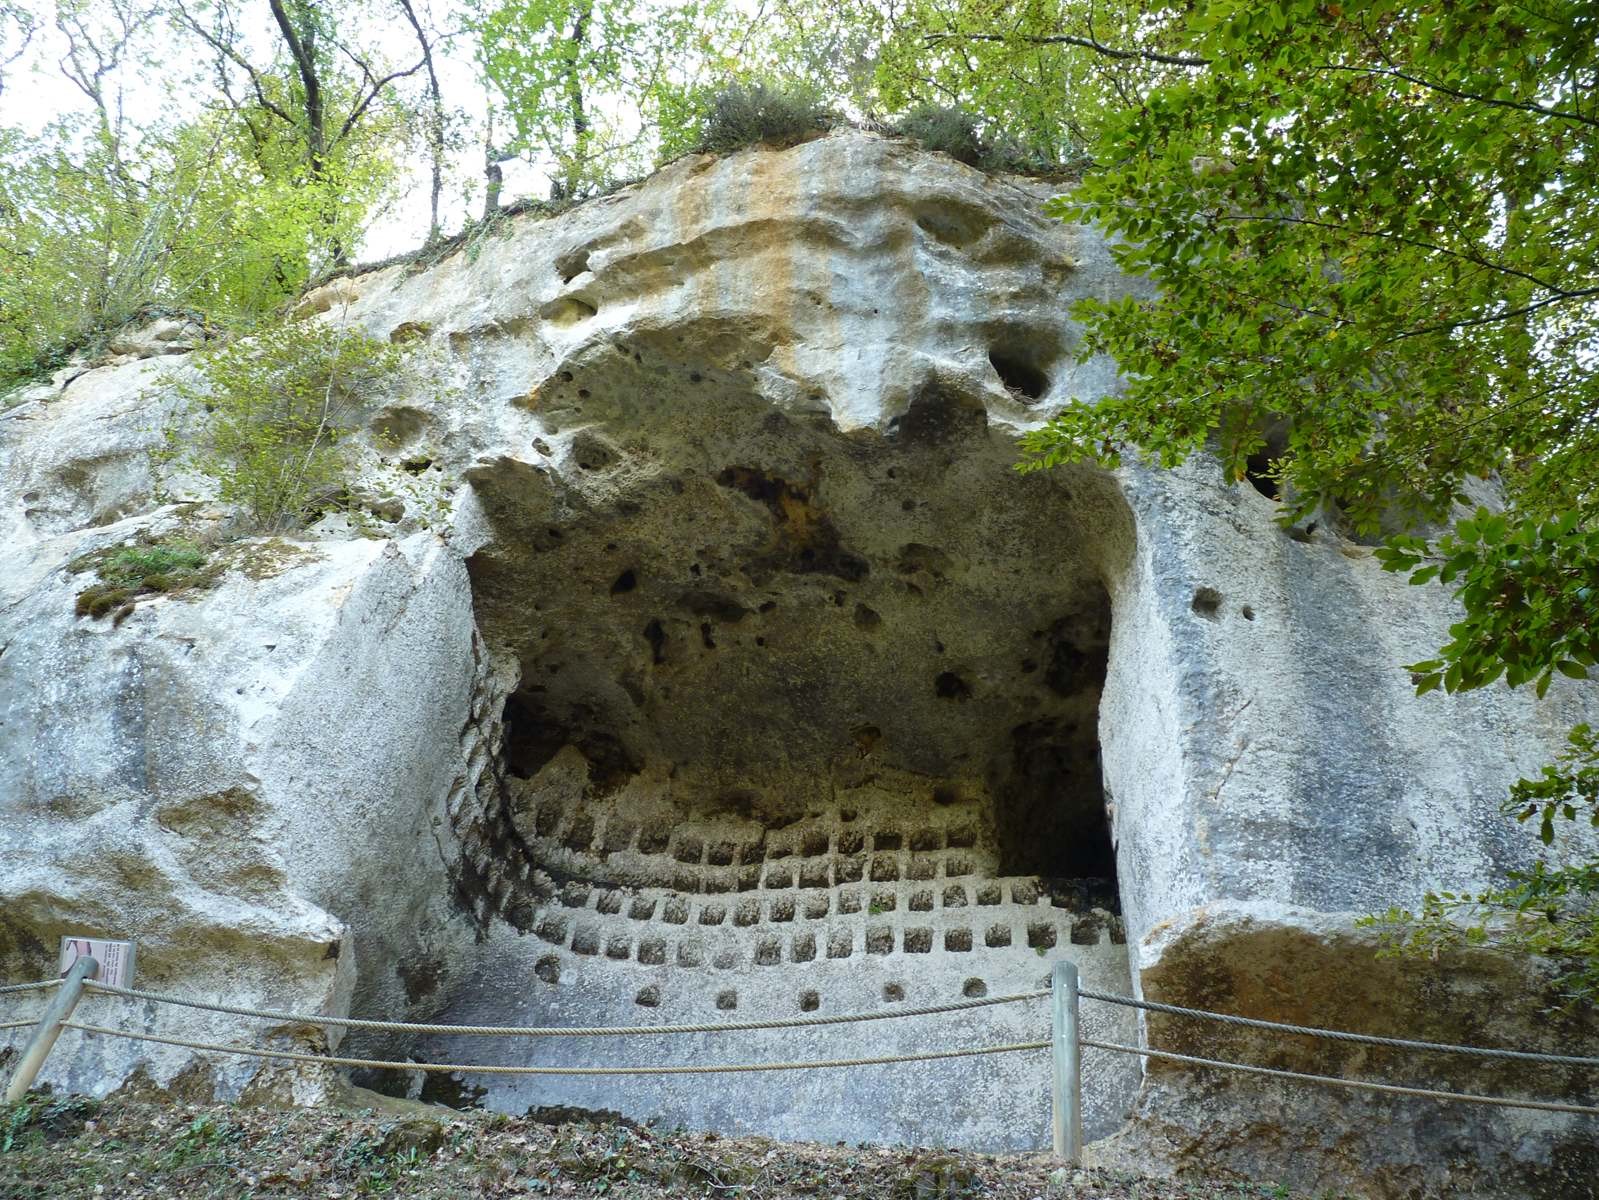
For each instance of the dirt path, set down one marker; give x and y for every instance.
(61, 1149)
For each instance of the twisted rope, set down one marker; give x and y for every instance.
(471, 1069)
(16, 1024)
(1339, 1035)
(1360, 1084)
(40, 985)
(555, 1030)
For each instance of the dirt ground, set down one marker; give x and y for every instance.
(62, 1148)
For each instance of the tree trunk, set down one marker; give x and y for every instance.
(569, 180)
(435, 124)
(302, 49)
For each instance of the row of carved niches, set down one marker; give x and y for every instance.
(668, 928)
(658, 831)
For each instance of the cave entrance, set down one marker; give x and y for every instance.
(1049, 811)
(806, 721)
(935, 828)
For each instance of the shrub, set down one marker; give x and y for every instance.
(961, 135)
(742, 114)
(279, 403)
(951, 131)
(148, 568)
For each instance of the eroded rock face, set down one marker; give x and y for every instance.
(254, 783)
(706, 659)
(1303, 967)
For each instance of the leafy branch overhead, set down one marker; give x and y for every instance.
(1374, 231)
(1378, 225)
(1528, 589)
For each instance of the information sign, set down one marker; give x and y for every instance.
(115, 959)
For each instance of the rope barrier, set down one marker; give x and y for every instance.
(802, 1022)
(1360, 1084)
(1339, 1035)
(470, 1069)
(556, 1030)
(39, 985)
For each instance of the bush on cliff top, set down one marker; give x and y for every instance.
(746, 113)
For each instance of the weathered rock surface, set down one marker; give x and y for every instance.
(254, 783)
(703, 658)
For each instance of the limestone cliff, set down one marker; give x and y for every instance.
(699, 653)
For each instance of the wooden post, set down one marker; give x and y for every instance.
(49, 1028)
(1068, 1089)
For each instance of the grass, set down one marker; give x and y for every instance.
(149, 568)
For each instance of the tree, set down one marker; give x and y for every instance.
(320, 113)
(1375, 231)
(1023, 69)
(436, 120)
(592, 88)
(18, 27)
(280, 403)
(210, 209)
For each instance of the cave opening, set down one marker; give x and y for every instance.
(1019, 373)
(1263, 468)
(589, 810)
(1260, 469)
(1050, 815)
(796, 715)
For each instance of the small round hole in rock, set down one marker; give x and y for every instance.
(727, 1001)
(893, 992)
(548, 969)
(649, 997)
(1258, 470)
(624, 583)
(810, 1001)
(950, 686)
(1207, 602)
(1249, 613)
(972, 989)
(1019, 375)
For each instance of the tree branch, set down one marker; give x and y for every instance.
(377, 86)
(1065, 39)
(231, 55)
(309, 80)
(1490, 318)
(1400, 238)
(1519, 105)
(436, 131)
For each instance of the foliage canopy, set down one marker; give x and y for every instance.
(1376, 226)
